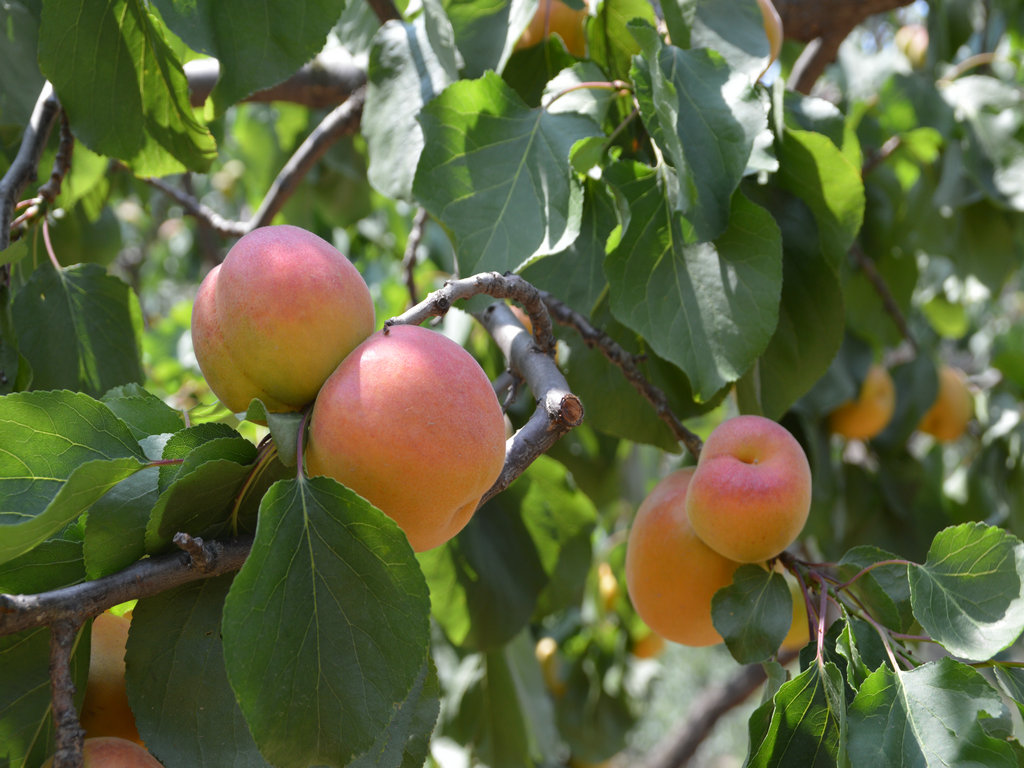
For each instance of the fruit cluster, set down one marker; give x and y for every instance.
(745, 502)
(871, 411)
(405, 417)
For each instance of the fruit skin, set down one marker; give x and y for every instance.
(607, 587)
(798, 635)
(751, 492)
(105, 709)
(871, 412)
(671, 575)
(546, 652)
(912, 41)
(276, 317)
(111, 752)
(561, 19)
(948, 416)
(409, 421)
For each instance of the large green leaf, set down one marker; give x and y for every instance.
(75, 326)
(59, 452)
(486, 31)
(705, 117)
(143, 412)
(56, 562)
(610, 43)
(753, 614)
(735, 30)
(115, 531)
(122, 86)
(405, 73)
(325, 626)
(800, 725)
(709, 308)
(496, 173)
(885, 589)
(26, 725)
(175, 669)
(941, 713)
(19, 31)
(256, 47)
(968, 593)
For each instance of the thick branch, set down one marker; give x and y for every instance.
(627, 363)
(326, 81)
(807, 20)
(69, 736)
(143, 578)
(24, 168)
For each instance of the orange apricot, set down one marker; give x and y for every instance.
(105, 709)
(949, 415)
(555, 17)
(871, 412)
(112, 752)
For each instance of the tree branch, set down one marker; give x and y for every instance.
(892, 307)
(24, 168)
(69, 733)
(627, 363)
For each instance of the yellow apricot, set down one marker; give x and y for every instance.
(555, 17)
(871, 412)
(607, 587)
(798, 635)
(112, 752)
(409, 421)
(671, 575)
(649, 646)
(948, 416)
(105, 709)
(277, 317)
(546, 652)
(751, 492)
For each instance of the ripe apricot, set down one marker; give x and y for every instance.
(409, 421)
(554, 16)
(671, 575)
(751, 492)
(105, 709)
(948, 416)
(111, 752)
(276, 317)
(607, 587)
(871, 412)
(649, 646)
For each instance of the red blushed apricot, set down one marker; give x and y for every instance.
(111, 752)
(276, 317)
(671, 575)
(410, 421)
(751, 491)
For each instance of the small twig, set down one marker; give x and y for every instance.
(202, 212)
(867, 266)
(25, 166)
(971, 62)
(884, 153)
(419, 227)
(69, 734)
(627, 363)
(677, 748)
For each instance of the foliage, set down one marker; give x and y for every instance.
(744, 247)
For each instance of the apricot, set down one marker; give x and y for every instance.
(649, 646)
(550, 662)
(671, 575)
(751, 492)
(607, 587)
(105, 709)
(871, 412)
(112, 752)
(948, 416)
(276, 317)
(554, 16)
(912, 41)
(799, 634)
(409, 421)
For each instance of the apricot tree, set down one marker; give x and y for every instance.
(706, 210)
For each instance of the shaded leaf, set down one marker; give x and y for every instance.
(753, 614)
(885, 589)
(143, 412)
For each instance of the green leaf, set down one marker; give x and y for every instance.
(59, 452)
(734, 30)
(753, 614)
(486, 31)
(75, 327)
(115, 531)
(705, 117)
(968, 594)
(610, 42)
(709, 308)
(941, 713)
(404, 74)
(885, 589)
(326, 625)
(19, 31)
(811, 318)
(26, 725)
(122, 86)
(255, 49)
(1011, 680)
(496, 173)
(201, 499)
(815, 170)
(143, 412)
(800, 725)
(284, 428)
(55, 563)
(175, 668)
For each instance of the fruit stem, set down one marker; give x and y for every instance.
(267, 451)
